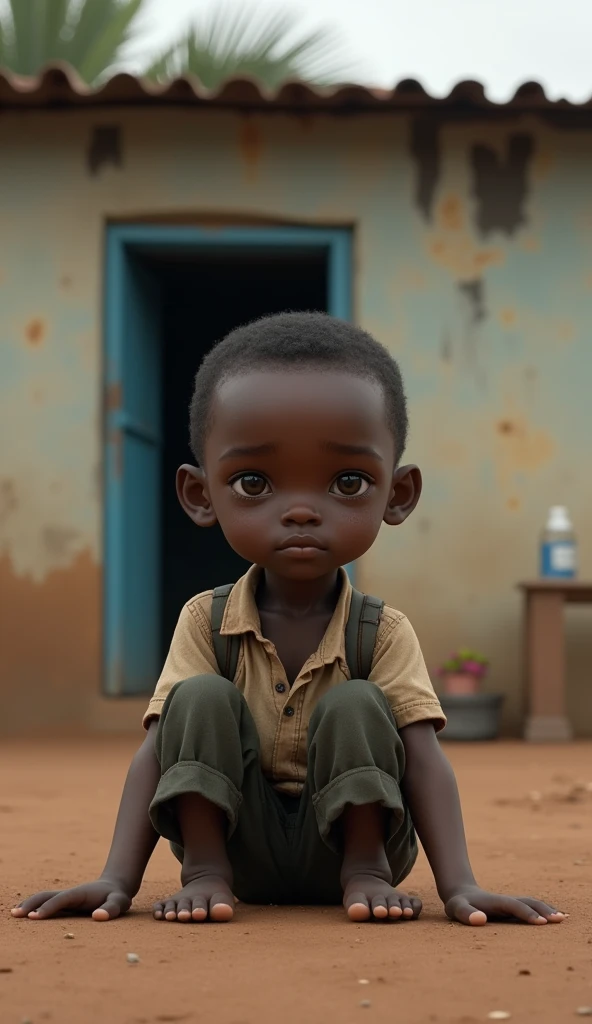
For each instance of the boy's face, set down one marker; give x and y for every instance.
(299, 470)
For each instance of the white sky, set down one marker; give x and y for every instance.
(499, 42)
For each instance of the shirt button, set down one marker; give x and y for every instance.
(288, 712)
(280, 687)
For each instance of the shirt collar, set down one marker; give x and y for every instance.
(242, 616)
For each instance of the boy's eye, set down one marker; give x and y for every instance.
(250, 485)
(350, 485)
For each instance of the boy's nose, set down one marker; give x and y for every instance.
(301, 515)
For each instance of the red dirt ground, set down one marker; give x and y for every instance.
(57, 807)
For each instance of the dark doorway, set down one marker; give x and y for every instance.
(204, 296)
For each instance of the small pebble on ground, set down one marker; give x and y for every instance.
(499, 1015)
(366, 1004)
(133, 958)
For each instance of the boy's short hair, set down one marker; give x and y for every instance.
(298, 340)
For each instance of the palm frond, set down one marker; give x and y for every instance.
(88, 34)
(232, 42)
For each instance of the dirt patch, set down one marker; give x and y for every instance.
(296, 964)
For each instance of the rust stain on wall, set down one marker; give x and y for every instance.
(508, 317)
(50, 642)
(460, 257)
(35, 331)
(530, 244)
(450, 213)
(520, 447)
(250, 143)
(542, 165)
(501, 185)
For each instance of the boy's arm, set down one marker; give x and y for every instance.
(133, 843)
(431, 793)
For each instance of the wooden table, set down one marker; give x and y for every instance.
(545, 655)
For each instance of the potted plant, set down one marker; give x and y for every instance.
(463, 672)
(471, 714)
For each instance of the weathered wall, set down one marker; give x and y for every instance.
(473, 264)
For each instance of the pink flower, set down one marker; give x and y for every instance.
(474, 667)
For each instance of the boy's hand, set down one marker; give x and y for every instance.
(474, 906)
(104, 899)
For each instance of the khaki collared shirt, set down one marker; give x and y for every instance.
(398, 668)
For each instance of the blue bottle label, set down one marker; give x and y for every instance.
(558, 559)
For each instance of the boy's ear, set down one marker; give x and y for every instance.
(192, 492)
(405, 493)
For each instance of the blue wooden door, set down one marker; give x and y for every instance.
(133, 422)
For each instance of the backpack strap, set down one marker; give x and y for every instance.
(360, 633)
(226, 648)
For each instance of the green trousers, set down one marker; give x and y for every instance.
(283, 850)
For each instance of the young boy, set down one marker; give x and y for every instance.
(289, 781)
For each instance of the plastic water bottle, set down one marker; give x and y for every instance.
(558, 546)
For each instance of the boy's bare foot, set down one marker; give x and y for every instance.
(206, 898)
(367, 895)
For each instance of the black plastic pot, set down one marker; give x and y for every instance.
(474, 716)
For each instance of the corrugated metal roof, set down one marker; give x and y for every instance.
(59, 86)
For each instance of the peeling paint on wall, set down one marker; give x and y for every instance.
(501, 185)
(425, 150)
(105, 148)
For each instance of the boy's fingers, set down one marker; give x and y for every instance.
(544, 909)
(33, 902)
(113, 906)
(461, 910)
(510, 907)
(61, 901)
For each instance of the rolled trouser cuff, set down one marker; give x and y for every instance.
(366, 785)
(192, 777)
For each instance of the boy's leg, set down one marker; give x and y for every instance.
(212, 801)
(355, 837)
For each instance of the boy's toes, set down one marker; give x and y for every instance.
(157, 911)
(220, 909)
(199, 910)
(184, 910)
(379, 907)
(170, 910)
(394, 907)
(416, 905)
(357, 907)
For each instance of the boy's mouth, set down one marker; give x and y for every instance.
(301, 546)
